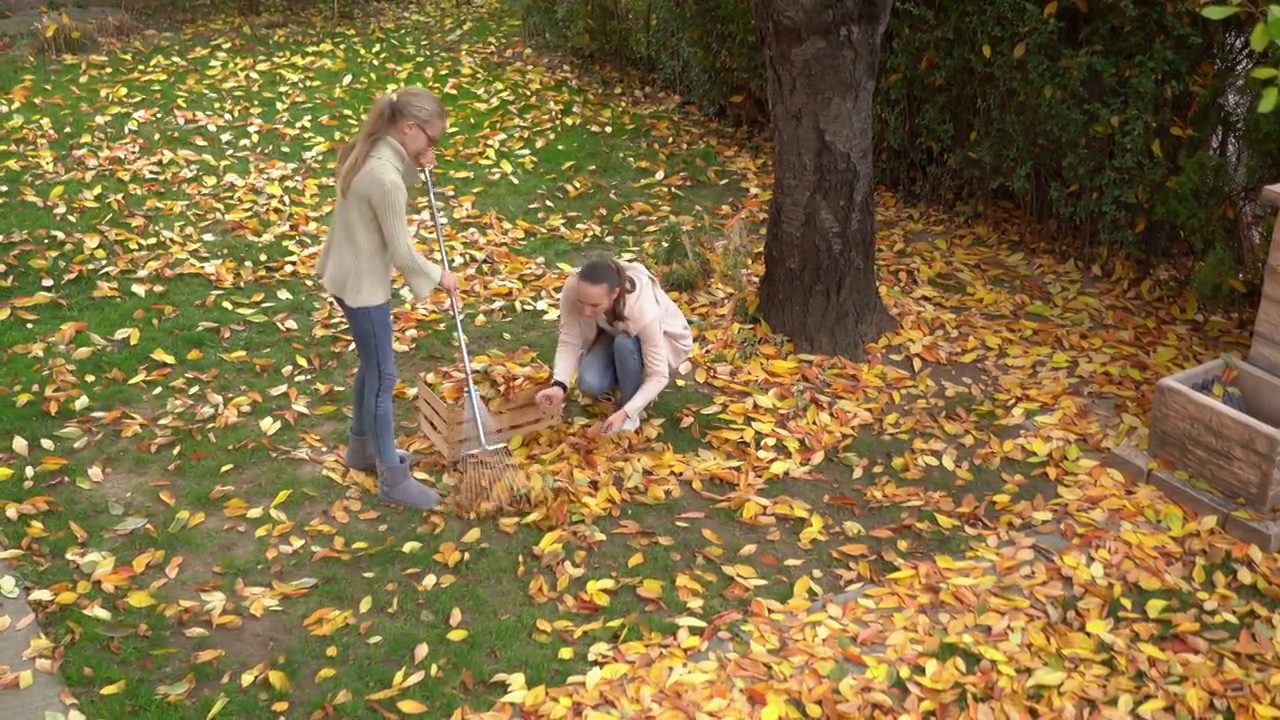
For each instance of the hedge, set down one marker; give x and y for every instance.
(1114, 125)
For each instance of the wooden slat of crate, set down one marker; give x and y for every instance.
(438, 421)
(1263, 533)
(1237, 453)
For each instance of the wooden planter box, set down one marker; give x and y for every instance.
(444, 423)
(1238, 454)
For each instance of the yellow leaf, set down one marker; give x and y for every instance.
(26, 679)
(1051, 9)
(1265, 711)
(1152, 651)
(217, 706)
(635, 560)
(113, 688)
(20, 445)
(565, 653)
(410, 707)
(455, 617)
(986, 51)
(457, 635)
(1047, 677)
(1155, 606)
(164, 357)
(472, 535)
(57, 192)
(711, 535)
(365, 603)
(278, 680)
(1151, 705)
(140, 599)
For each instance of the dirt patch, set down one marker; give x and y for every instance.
(211, 559)
(130, 488)
(214, 655)
(957, 378)
(213, 582)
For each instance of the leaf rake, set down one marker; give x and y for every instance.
(490, 477)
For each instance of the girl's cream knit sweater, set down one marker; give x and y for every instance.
(368, 235)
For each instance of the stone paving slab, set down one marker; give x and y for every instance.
(46, 698)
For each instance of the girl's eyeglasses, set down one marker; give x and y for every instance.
(432, 140)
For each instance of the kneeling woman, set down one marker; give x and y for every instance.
(619, 331)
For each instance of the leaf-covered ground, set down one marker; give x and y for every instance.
(175, 384)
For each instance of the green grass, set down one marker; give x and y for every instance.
(201, 247)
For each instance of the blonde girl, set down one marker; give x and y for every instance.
(368, 238)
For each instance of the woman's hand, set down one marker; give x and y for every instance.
(550, 397)
(613, 423)
(427, 159)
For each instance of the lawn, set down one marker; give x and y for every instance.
(174, 405)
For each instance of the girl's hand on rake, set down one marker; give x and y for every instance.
(449, 282)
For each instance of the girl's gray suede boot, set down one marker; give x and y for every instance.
(360, 454)
(397, 486)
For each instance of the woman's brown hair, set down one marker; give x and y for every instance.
(610, 273)
(411, 103)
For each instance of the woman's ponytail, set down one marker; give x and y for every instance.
(618, 310)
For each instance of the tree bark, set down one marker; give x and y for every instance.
(820, 286)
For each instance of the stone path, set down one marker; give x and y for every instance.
(25, 659)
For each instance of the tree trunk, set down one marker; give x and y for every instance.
(820, 286)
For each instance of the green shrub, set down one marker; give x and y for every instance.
(1110, 124)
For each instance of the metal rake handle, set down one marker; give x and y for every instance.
(457, 310)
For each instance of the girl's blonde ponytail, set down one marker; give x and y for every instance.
(352, 157)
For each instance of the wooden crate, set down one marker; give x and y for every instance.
(443, 423)
(1264, 352)
(1238, 454)
(1135, 466)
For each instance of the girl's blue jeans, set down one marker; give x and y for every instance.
(375, 379)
